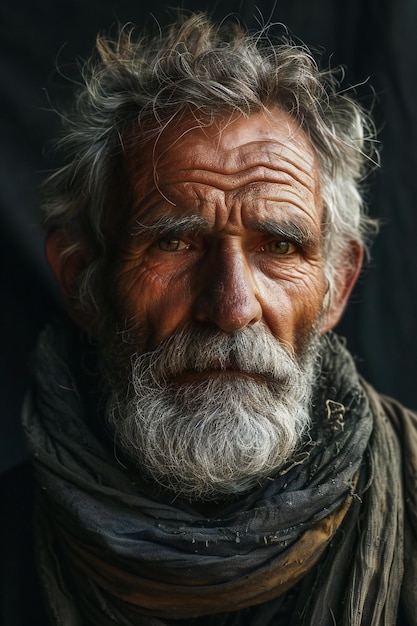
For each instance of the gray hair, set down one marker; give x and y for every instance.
(199, 68)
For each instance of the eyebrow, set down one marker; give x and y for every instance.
(297, 233)
(169, 225)
(192, 225)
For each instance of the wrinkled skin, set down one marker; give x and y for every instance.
(225, 230)
(249, 248)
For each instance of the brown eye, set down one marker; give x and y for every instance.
(171, 245)
(280, 247)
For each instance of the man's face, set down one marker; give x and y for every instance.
(220, 285)
(226, 232)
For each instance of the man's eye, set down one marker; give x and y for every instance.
(280, 247)
(171, 245)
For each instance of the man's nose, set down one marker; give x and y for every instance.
(228, 297)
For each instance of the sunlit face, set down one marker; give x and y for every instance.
(225, 232)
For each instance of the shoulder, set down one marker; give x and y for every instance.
(402, 419)
(20, 596)
(404, 427)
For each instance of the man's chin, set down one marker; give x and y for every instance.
(204, 487)
(206, 490)
(211, 416)
(219, 447)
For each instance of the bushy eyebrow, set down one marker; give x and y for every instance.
(169, 226)
(192, 225)
(297, 233)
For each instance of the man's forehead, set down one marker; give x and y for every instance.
(227, 135)
(265, 153)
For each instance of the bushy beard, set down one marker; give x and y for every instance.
(209, 415)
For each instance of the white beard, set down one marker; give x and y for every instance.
(218, 433)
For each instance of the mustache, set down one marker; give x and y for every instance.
(252, 350)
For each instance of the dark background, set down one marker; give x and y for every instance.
(374, 39)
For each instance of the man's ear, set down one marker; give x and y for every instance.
(345, 277)
(67, 264)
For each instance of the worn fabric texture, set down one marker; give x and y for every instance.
(320, 543)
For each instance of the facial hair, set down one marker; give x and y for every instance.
(209, 415)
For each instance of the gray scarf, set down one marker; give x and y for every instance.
(318, 545)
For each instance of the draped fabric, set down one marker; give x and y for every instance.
(321, 542)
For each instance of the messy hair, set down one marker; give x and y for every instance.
(196, 66)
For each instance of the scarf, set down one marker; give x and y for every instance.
(319, 543)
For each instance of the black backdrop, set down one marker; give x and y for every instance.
(374, 39)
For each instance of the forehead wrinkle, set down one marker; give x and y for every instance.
(291, 160)
(279, 150)
(271, 147)
(199, 196)
(263, 164)
(285, 193)
(289, 164)
(249, 176)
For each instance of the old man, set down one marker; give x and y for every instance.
(205, 451)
